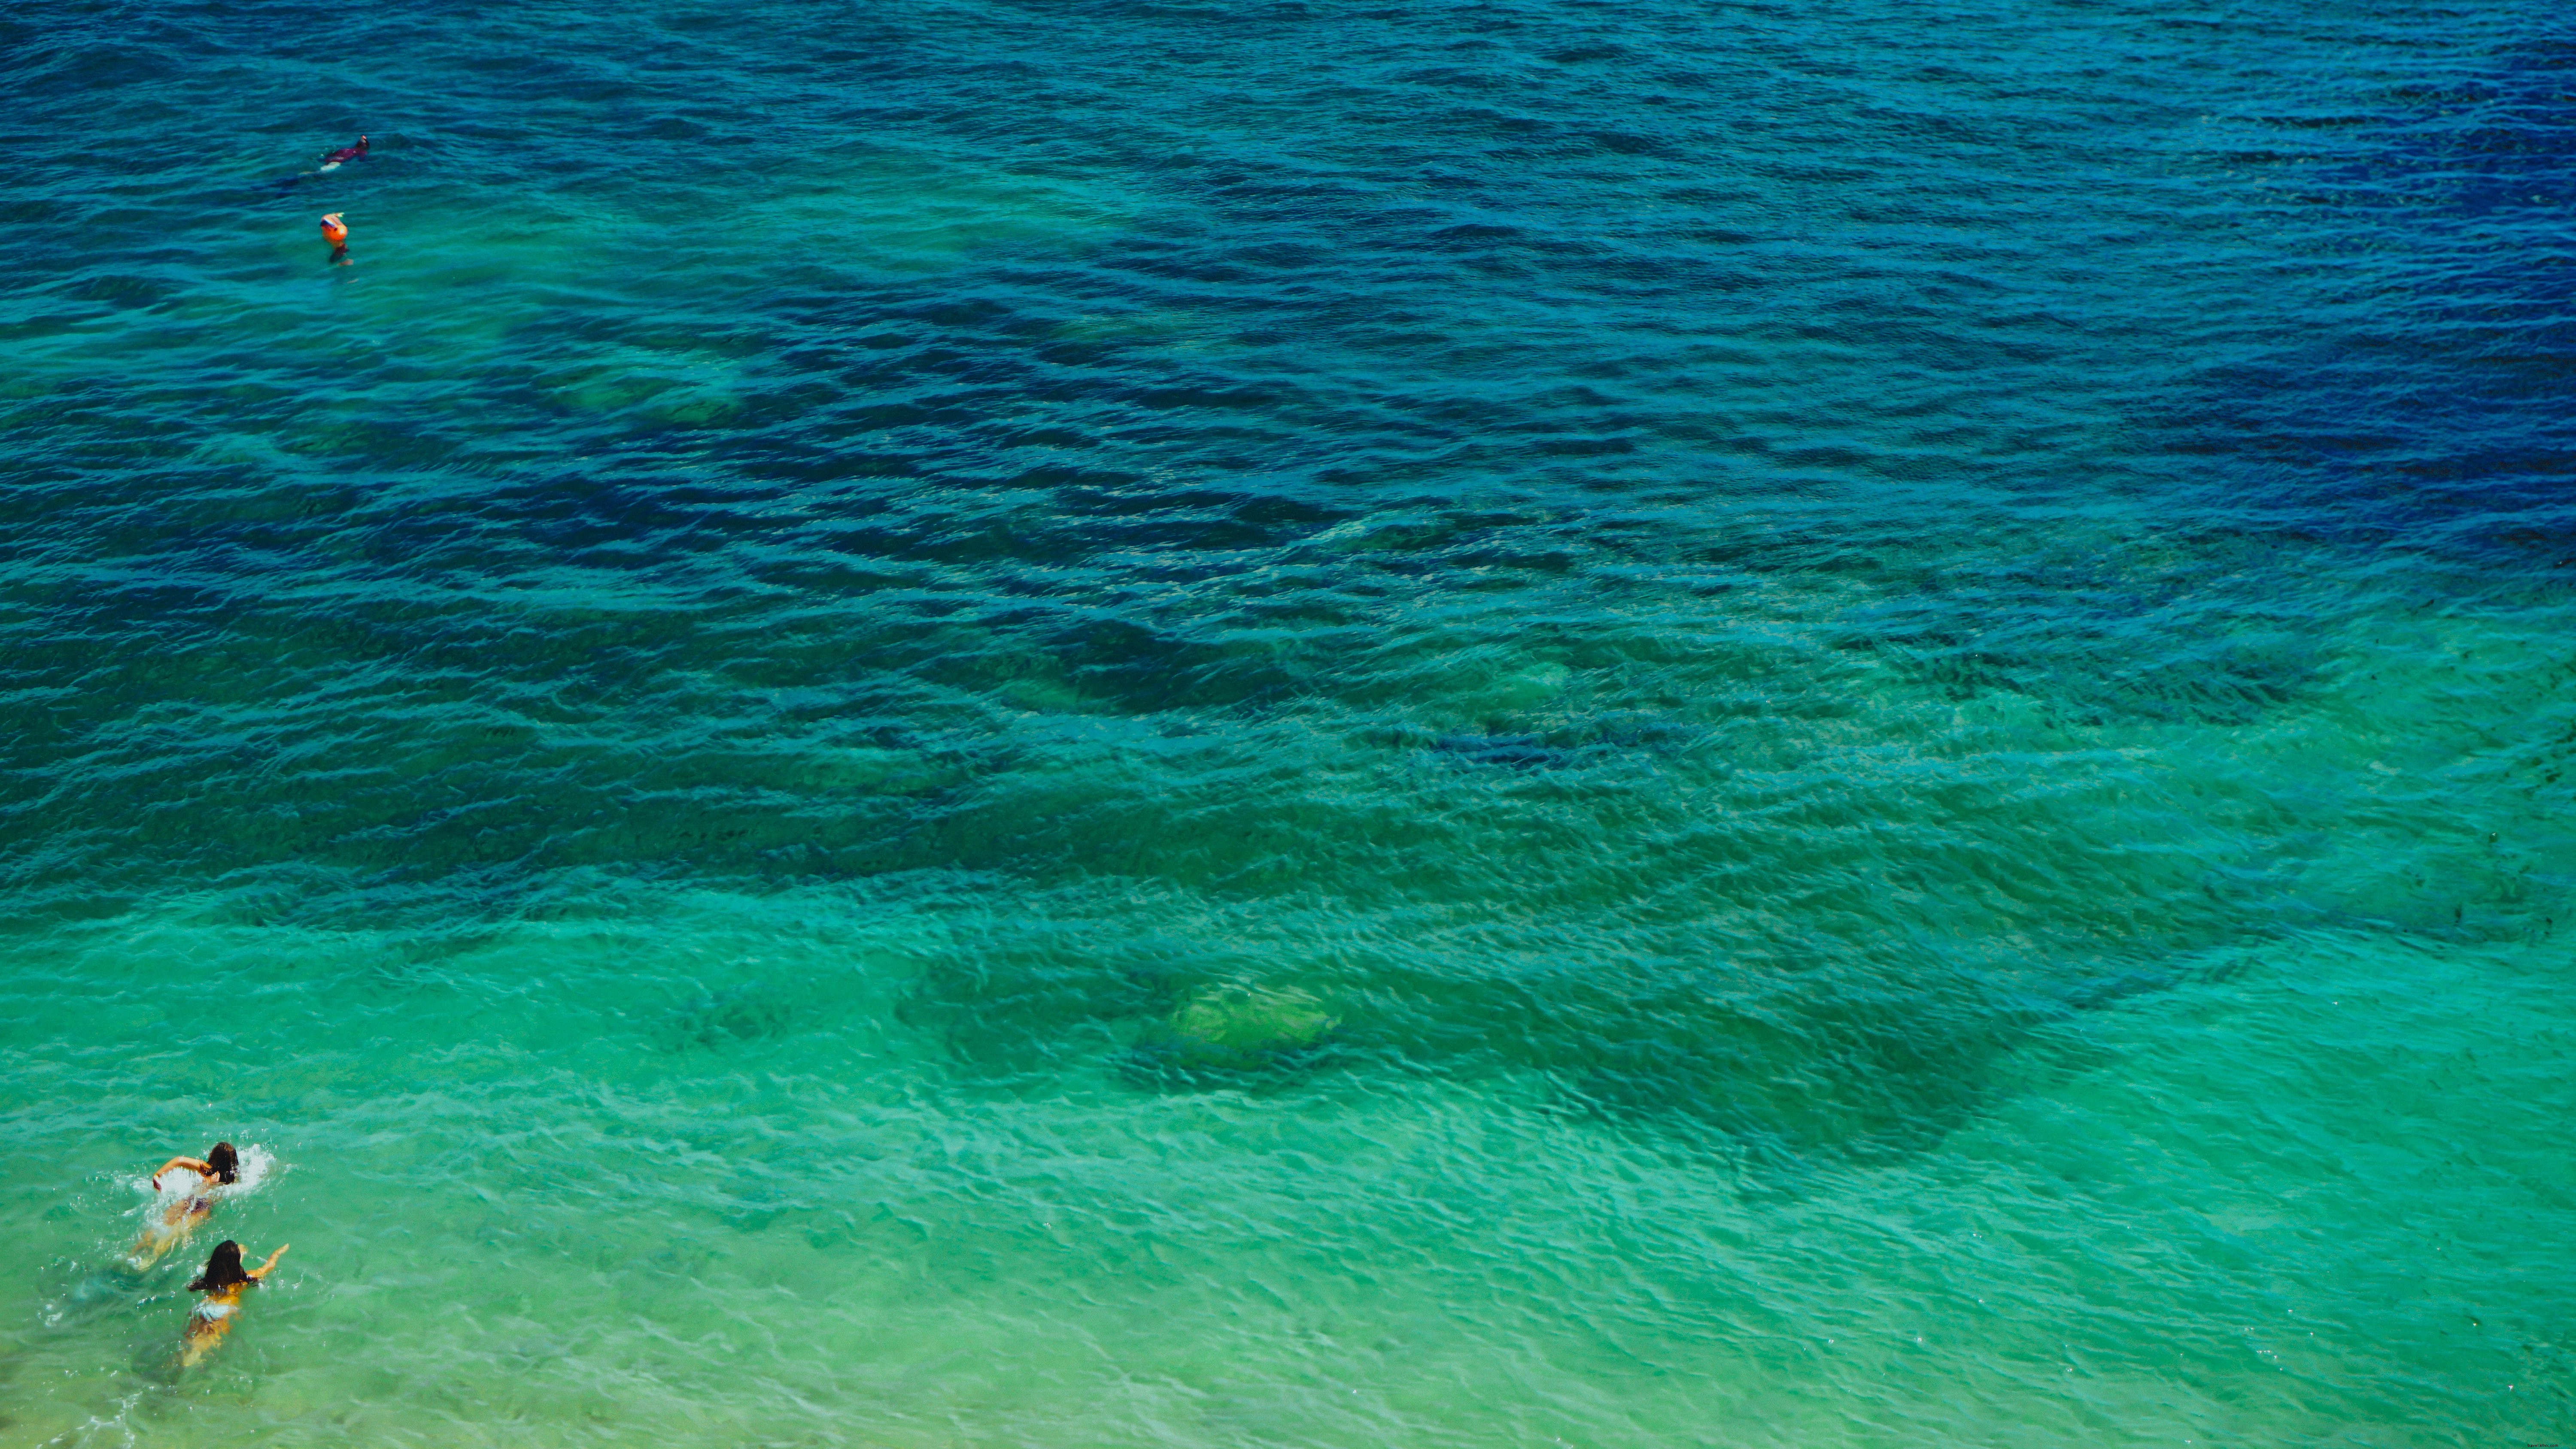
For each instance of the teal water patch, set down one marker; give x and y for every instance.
(1529, 1041)
(571, 1177)
(1290, 725)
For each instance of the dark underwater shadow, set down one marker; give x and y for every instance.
(2194, 637)
(2434, 420)
(1784, 1069)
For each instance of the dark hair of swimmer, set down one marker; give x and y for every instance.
(223, 1269)
(222, 1159)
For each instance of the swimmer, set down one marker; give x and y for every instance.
(218, 1169)
(332, 162)
(336, 232)
(223, 1283)
(345, 153)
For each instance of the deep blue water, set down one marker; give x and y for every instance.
(1293, 724)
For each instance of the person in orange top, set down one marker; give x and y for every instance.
(336, 232)
(223, 1283)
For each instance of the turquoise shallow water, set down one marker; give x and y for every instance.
(1293, 724)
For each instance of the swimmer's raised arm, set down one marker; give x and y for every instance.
(202, 1169)
(262, 1270)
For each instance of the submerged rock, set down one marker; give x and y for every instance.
(1240, 1027)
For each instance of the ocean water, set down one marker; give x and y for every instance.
(1145, 723)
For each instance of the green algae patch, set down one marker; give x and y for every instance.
(676, 388)
(920, 212)
(1240, 1028)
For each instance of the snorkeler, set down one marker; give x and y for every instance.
(218, 1169)
(223, 1283)
(331, 162)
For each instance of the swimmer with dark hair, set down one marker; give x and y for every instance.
(218, 1169)
(223, 1283)
(331, 162)
(336, 232)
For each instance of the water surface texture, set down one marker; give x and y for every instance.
(1120, 723)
